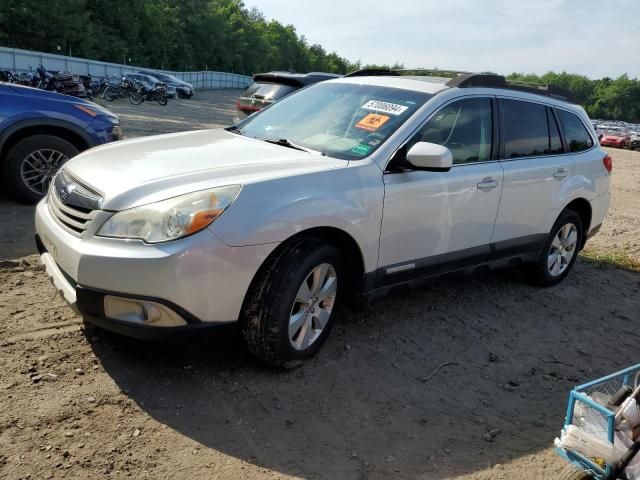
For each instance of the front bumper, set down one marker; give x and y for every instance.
(199, 278)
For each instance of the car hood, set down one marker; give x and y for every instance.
(149, 169)
(36, 94)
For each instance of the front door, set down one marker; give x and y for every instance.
(441, 221)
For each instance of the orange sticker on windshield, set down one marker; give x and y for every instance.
(372, 122)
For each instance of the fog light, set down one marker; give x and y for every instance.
(141, 311)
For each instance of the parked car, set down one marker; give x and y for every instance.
(41, 130)
(334, 195)
(617, 140)
(634, 141)
(271, 87)
(150, 82)
(182, 88)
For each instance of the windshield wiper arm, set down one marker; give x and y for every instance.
(234, 129)
(286, 143)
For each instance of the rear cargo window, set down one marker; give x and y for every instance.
(575, 132)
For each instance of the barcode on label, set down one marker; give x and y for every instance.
(386, 107)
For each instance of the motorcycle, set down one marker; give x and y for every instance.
(157, 93)
(61, 82)
(28, 79)
(91, 86)
(114, 88)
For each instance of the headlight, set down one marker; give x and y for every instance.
(170, 219)
(117, 132)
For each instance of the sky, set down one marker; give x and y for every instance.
(596, 38)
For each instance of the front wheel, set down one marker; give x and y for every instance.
(560, 251)
(162, 99)
(291, 304)
(33, 162)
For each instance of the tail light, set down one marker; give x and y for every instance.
(607, 161)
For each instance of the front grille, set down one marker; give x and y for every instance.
(74, 219)
(72, 204)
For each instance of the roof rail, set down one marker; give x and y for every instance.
(372, 72)
(491, 80)
(466, 79)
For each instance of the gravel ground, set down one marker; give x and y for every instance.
(81, 403)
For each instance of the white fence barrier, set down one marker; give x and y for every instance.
(20, 61)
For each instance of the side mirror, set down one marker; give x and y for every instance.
(430, 156)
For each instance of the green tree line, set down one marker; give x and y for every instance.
(225, 35)
(605, 98)
(165, 34)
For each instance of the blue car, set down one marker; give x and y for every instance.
(40, 130)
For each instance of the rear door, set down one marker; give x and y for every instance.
(536, 169)
(441, 221)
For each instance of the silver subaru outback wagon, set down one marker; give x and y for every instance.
(329, 197)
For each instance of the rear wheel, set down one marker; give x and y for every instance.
(162, 99)
(560, 251)
(109, 95)
(291, 305)
(136, 98)
(33, 162)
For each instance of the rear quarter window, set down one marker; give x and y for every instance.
(575, 133)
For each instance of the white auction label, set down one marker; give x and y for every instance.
(386, 107)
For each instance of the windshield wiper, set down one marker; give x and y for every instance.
(234, 129)
(286, 143)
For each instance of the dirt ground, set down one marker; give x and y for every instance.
(77, 402)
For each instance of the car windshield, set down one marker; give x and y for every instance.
(169, 78)
(341, 120)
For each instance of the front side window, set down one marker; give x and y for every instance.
(575, 132)
(526, 132)
(464, 127)
(342, 120)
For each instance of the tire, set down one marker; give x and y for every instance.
(573, 473)
(162, 100)
(545, 272)
(22, 159)
(110, 95)
(136, 98)
(272, 303)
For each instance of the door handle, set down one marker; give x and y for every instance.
(488, 184)
(560, 173)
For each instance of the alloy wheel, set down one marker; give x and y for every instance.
(562, 249)
(39, 167)
(312, 307)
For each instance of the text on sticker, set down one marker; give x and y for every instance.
(386, 107)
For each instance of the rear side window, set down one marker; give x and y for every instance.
(268, 91)
(526, 132)
(575, 132)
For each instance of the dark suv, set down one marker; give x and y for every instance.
(271, 87)
(40, 130)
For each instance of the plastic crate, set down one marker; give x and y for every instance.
(594, 417)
